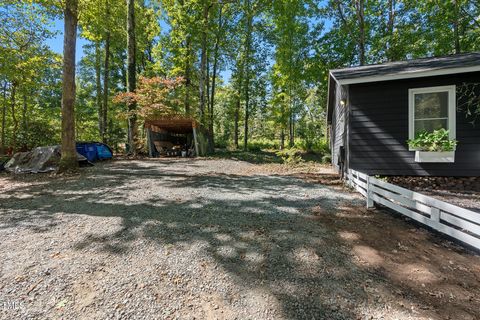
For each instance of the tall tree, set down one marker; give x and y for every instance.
(293, 44)
(98, 87)
(181, 45)
(248, 48)
(4, 117)
(203, 60)
(219, 34)
(106, 74)
(131, 76)
(69, 159)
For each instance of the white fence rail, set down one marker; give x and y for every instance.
(459, 223)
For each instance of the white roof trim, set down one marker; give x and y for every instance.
(408, 75)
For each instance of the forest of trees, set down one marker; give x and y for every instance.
(251, 71)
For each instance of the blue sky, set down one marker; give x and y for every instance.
(56, 43)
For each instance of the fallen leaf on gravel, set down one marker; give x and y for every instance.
(55, 255)
(437, 294)
(20, 278)
(62, 303)
(34, 286)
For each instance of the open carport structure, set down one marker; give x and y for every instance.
(172, 135)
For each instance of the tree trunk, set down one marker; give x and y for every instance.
(391, 54)
(14, 118)
(188, 81)
(291, 126)
(210, 145)
(203, 64)
(4, 118)
(282, 139)
(238, 103)
(456, 27)
(106, 74)
(235, 126)
(131, 76)
(214, 79)
(247, 117)
(25, 121)
(248, 43)
(360, 8)
(207, 87)
(98, 87)
(69, 159)
(237, 107)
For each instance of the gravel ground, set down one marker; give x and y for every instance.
(218, 239)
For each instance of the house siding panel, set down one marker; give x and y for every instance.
(339, 118)
(379, 130)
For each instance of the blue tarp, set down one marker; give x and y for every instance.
(94, 151)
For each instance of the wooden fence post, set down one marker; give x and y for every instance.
(349, 178)
(370, 203)
(435, 217)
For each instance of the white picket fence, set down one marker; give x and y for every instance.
(459, 223)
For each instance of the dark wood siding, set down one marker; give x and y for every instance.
(339, 119)
(379, 130)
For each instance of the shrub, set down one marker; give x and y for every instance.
(302, 144)
(221, 143)
(437, 140)
(327, 158)
(291, 156)
(262, 144)
(322, 147)
(318, 146)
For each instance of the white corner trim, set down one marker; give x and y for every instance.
(333, 77)
(408, 75)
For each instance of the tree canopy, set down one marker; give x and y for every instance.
(252, 72)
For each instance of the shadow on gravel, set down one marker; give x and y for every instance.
(290, 247)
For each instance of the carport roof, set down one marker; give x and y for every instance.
(172, 124)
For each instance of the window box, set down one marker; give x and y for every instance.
(429, 156)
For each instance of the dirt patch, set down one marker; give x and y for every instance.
(428, 273)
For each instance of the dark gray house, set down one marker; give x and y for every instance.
(373, 110)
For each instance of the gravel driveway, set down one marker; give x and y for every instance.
(216, 239)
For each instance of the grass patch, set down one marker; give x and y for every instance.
(256, 157)
(267, 156)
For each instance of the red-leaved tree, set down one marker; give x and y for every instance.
(155, 97)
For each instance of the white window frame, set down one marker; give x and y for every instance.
(452, 107)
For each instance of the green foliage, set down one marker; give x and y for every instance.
(29, 78)
(437, 140)
(319, 146)
(327, 159)
(291, 156)
(270, 60)
(259, 144)
(468, 96)
(322, 147)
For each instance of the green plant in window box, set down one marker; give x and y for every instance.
(436, 141)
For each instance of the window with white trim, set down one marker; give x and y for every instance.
(431, 109)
